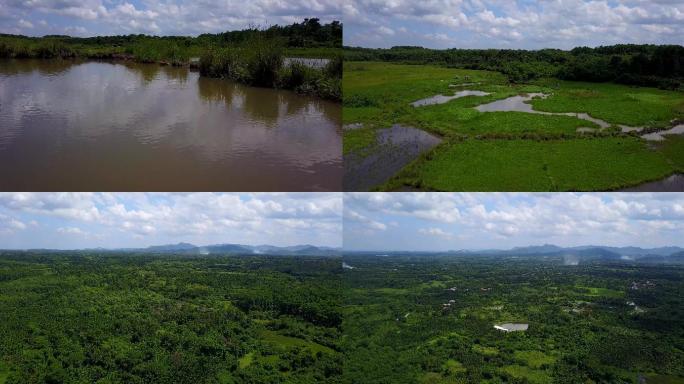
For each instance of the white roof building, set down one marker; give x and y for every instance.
(511, 327)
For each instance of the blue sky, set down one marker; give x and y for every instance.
(453, 221)
(118, 220)
(525, 24)
(159, 17)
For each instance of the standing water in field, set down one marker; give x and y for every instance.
(520, 103)
(396, 147)
(660, 135)
(441, 99)
(66, 125)
(673, 183)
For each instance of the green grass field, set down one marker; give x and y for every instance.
(3, 374)
(288, 342)
(512, 151)
(528, 165)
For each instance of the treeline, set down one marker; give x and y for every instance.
(645, 65)
(252, 56)
(308, 34)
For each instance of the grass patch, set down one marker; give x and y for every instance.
(601, 292)
(393, 291)
(358, 140)
(454, 367)
(380, 93)
(486, 351)
(292, 342)
(451, 119)
(246, 360)
(673, 149)
(534, 359)
(532, 376)
(526, 165)
(615, 103)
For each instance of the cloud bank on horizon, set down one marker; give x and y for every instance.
(157, 17)
(123, 220)
(453, 221)
(522, 24)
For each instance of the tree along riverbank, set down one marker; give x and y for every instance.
(253, 56)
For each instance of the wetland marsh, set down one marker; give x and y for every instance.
(541, 135)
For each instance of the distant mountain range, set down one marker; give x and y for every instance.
(223, 249)
(296, 250)
(572, 255)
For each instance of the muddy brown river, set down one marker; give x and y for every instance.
(81, 126)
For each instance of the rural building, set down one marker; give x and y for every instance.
(511, 327)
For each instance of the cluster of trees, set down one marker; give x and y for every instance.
(308, 34)
(108, 318)
(581, 327)
(647, 65)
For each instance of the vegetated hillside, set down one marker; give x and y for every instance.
(417, 319)
(213, 249)
(587, 253)
(645, 65)
(143, 318)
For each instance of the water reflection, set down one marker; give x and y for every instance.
(395, 148)
(146, 127)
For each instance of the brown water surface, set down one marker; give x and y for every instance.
(98, 126)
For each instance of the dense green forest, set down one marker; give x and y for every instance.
(430, 319)
(139, 318)
(108, 317)
(645, 65)
(252, 56)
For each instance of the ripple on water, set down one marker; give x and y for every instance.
(130, 126)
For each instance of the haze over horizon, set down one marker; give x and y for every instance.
(518, 24)
(85, 18)
(137, 220)
(477, 221)
(475, 250)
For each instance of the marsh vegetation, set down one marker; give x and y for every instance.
(578, 136)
